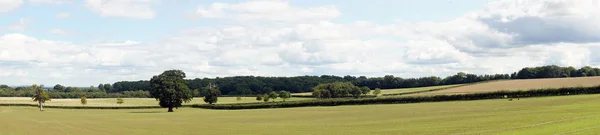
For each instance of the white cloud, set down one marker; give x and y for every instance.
(136, 9)
(51, 1)
(286, 40)
(63, 15)
(278, 10)
(8, 5)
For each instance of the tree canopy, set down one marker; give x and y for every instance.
(170, 90)
(40, 96)
(211, 94)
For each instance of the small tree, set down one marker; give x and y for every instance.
(265, 98)
(259, 97)
(238, 98)
(284, 95)
(377, 91)
(119, 101)
(83, 100)
(365, 90)
(40, 96)
(273, 95)
(355, 92)
(211, 94)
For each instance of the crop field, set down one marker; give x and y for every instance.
(548, 115)
(524, 84)
(410, 90)
(399, 91)
(129, 101)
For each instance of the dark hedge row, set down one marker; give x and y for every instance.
(399, 100)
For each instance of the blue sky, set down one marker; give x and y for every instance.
(87, 42)
(171, 16)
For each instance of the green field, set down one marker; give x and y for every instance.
(548, 115)
(399, 91)
(129, 101)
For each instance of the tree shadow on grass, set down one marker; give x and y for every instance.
(149, 112)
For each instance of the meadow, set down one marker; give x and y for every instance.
(522, 84)
(130, 101)
(547, 115)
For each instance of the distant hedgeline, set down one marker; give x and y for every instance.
(253, 85)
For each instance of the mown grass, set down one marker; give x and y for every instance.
(128, 101)
(547, 115)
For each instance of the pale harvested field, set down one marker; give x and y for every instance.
(524, 84)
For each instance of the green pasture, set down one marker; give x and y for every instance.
(547, 115)
(129, 101)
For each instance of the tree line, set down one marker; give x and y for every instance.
(253, 85)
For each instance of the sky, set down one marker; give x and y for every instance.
(88, 42)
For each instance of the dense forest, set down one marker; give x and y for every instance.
(250, 85)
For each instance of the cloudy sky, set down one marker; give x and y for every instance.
(87, 42)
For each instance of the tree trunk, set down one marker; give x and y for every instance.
(170, 108)
(41, 106)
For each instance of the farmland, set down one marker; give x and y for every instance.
(523, 84)
(548, 115)
(401, 91)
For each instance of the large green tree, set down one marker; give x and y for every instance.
(40, 96)
(170, 89)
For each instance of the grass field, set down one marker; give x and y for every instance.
(548, 115)
(129, 101)
(399, 91)
(524, 84)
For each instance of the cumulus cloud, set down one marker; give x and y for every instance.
(278, 10)
(136, 9)
(286, 40)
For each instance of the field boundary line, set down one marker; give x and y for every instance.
(431, 90)
(573, 131)
(528, 126)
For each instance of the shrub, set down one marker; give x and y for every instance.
(273, 95)
(284, 95)
(238, 98)
(83, 100)
(259, 97)
(377, 91)
(265, 98)
(119, 101)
